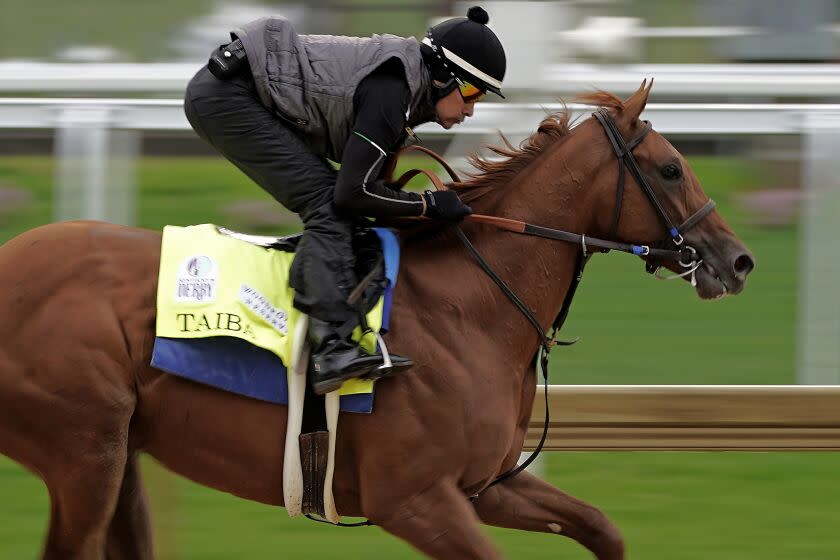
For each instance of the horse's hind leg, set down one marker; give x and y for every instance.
(526, 502)
(76, 444)
(130, 532)
(84, 481)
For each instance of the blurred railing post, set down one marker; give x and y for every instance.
(818, 351)
(95, 166)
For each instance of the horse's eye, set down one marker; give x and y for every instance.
(671, 172)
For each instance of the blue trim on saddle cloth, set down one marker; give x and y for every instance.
(391, 252)
(234, 365)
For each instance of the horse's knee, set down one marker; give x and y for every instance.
(441, 535)
(605, 540)
(439, 521)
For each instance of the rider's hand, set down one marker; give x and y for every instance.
(445, 205)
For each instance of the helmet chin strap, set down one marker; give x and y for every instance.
(443, 83)
(443, 79)
(441, 91)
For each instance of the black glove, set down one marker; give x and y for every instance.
(445, 205)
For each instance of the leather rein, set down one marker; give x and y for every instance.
(682, 253)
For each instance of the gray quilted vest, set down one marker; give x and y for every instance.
(309, 80)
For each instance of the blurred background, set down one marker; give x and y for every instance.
(91, 126)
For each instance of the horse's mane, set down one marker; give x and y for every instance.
(553, 129)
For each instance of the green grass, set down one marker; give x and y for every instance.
(686, 506)
(634, 330)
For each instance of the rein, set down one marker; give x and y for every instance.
(685, 256)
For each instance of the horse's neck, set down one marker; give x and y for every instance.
(538, 271)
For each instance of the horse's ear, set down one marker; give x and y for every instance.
(635, 104)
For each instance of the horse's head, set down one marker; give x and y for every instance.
(613, 177)
(663, 204)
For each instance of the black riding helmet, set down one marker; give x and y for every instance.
(467, 49)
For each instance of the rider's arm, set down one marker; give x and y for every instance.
(379, 123)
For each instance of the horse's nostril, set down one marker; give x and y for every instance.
(743, 265)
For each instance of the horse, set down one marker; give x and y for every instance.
(79, 401)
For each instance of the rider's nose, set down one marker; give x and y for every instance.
(469, 109)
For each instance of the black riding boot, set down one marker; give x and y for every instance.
(336, 359)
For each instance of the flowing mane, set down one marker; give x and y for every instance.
(554, 128)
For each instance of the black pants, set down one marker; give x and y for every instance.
(229, 115)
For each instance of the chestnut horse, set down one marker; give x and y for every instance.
(79, 401)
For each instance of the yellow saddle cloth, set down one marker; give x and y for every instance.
(215, 285)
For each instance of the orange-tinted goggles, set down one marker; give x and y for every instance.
(469, 92)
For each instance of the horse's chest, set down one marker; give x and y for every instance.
(494, 446)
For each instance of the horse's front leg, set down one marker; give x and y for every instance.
(438, 521)
(526, 502)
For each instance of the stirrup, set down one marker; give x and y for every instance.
(389, 367)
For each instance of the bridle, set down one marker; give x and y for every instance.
(686, 256)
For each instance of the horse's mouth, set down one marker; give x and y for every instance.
(724, 269)
(709, 283)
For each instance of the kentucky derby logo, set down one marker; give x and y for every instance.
(197, 280)
(199, 266)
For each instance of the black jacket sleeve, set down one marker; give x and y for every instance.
(379, 104)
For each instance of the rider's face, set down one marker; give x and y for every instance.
(452, 109)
